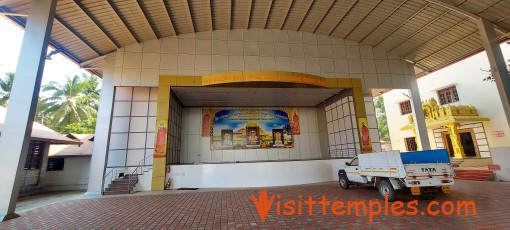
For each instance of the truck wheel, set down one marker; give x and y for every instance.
(344, 182)
(385, 188)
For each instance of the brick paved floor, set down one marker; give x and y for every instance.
(233, 209)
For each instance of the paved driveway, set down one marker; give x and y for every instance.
(234, 209)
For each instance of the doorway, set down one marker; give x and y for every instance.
(467, 141)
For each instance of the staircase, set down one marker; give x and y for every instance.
(122, 185)
(473, 173)
(123, 180)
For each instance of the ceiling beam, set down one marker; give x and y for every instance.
(149, 21)
(306, 14)
(124, 21)
(249, 14)
(447, 46)
(230, 14)
(363, 19)
(190, 16)
(419, 30)
(343, 16)
(96, 22)
(401, 24)
(287, 14)
(466, 13)
(324, 16)
(268, 13)
(13, 14)
(384, 20)
(210, 15)
(84, 63)
(435, 37)
(77, 35)
(169, 16)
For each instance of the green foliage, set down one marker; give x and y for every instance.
(5, 88)
(84, 127)
(74, 101)
(382, 122)
(70, 108)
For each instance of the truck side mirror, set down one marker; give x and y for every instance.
(347, 163)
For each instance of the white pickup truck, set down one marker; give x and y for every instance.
(425, 172)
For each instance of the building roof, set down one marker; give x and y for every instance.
(430, 33)
(83, 150)
(40, 132)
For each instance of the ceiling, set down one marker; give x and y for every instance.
(430, 33)
(250, 97)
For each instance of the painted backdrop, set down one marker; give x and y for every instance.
(246, 128)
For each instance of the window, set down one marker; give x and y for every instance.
(411, 144)
(55, 164)
(354, 162)
(34, 155)
(448, 95)
(405, 107)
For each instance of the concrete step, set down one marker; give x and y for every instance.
(473, 174)
(115, 192)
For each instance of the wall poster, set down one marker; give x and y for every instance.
(161, 138)
(364, 131)
(250, 128)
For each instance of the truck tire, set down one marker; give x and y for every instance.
(428, 194)
(343, 181)
(385, 188)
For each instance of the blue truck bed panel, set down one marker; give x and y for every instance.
(425, 157)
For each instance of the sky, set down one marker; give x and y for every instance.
(10, 44)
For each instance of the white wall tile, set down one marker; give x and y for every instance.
(297, 65)
(267, 63)
(116, 158)
(134, 157)
(368, 66)
(355, 66)
(282, 63)
(120, 124)
(186, 61)
(235, 63)
(295, 36)
(281, 49)
(266, 35)
(168, 61)
(251, 155)
(136, 140)
(312, 66)
(341, 65)
(266, 49)
(220, 35)
(309, 38)
(366, 52)
(203, 62)
(296, 50)
(339, 51)
(149, 77)
(251, 48)
(311, 51)
(240, 155)
(203, 46)
(140, 108)
(262, 154)
(220, 47)
(169, 45)
(325, 51)
(152, 46)
(136, 48)
(150, 60)
(384, 81)
(251, 35)
(138, 124)
(235, 48)
(229, 155)
(219, 62)
(187, 46)
(235, 35)
(251, 63)
(326, 65)
(281, 36)
(283, 154)
(121, 108)
(132, 60)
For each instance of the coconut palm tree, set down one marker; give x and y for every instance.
(68, 103)
(91, 90)
(5, 88)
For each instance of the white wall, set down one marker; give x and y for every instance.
(261, 174)
(195, 148)
(467, 76)
(237, 50)
(75, 175)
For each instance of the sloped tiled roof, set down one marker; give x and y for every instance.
(40, 132)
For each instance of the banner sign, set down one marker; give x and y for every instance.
(161, 138)
(364, 133)
(248, 128)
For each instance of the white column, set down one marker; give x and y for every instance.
(490, 42)
(23, 102)
(99, 154)
(418, 116)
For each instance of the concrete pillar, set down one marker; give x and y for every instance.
(422, 137)
(23, 102)
(101, 138)
(499, 69)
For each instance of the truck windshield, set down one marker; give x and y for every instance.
(354, 162)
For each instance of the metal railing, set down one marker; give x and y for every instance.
(343, 153)
(115, 173)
